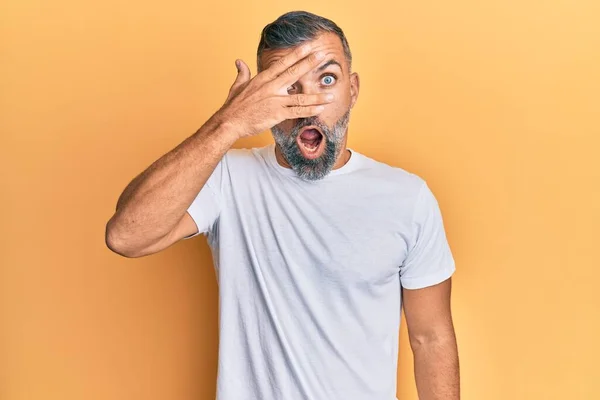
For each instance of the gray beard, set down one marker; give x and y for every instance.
(319, 168)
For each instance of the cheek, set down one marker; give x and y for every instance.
(334, 111)
(341, 103)
(286, 125)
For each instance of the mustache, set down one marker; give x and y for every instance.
(308, 121)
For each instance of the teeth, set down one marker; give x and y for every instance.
(310, 148)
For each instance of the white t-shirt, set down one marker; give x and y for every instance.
(310, 274)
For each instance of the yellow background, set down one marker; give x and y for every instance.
(494, 103)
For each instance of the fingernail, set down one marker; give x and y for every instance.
(237, 64)
(305, 49)
(329, 97)
(320, 55)
(320, 108)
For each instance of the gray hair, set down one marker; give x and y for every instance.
(296, 27)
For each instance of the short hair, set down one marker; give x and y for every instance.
(296, 27)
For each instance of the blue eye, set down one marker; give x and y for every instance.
(328, 80)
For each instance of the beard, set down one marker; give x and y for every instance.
(320, 167)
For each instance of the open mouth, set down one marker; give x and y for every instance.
(310, 141)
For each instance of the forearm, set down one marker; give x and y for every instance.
(153, 203)
(437, 369)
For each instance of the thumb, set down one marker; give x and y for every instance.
(243, 72)
(242, 77)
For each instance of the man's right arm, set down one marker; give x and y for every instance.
(151, 212)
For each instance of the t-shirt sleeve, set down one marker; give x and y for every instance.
(206, 207)
(429, 260)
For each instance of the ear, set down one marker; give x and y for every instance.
(354, 88)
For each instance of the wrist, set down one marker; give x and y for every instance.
(226, 127)
(221, 128)
(229, 130)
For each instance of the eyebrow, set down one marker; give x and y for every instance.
(327, 64)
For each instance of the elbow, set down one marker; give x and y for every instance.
(117, 243)
(432, 340)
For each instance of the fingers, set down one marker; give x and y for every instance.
(306, 99)
(242, 77)
(304, 105)
(295, 64)
(297, 70)
(302, 111)
(284, 63)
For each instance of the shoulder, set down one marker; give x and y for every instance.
(245, 157)
(393, 177)
(242, 154)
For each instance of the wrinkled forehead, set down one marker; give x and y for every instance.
(328, 42)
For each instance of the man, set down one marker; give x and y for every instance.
(316, 246)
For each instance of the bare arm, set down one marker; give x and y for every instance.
(151, 212)
(433, 341)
